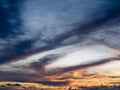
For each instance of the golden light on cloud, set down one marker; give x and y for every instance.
(106, 74)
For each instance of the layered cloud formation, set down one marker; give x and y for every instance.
(46, 37)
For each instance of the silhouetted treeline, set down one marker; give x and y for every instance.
(114, 87)
(18, 86)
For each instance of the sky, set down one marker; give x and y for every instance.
(39, 38)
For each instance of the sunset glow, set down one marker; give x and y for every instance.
(59, 45)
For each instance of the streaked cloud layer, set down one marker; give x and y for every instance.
(48, 37)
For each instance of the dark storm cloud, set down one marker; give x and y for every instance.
(9, 27)
(29, 27)
(83, 30)
(44, 61)
(5, 76)
(10, 76)
(9, 18)
(17, 51)
(54, 83)
(11, 12)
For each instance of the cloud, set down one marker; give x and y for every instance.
(55, 83)
(57, 35)
(82, 56)
(110, 67)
